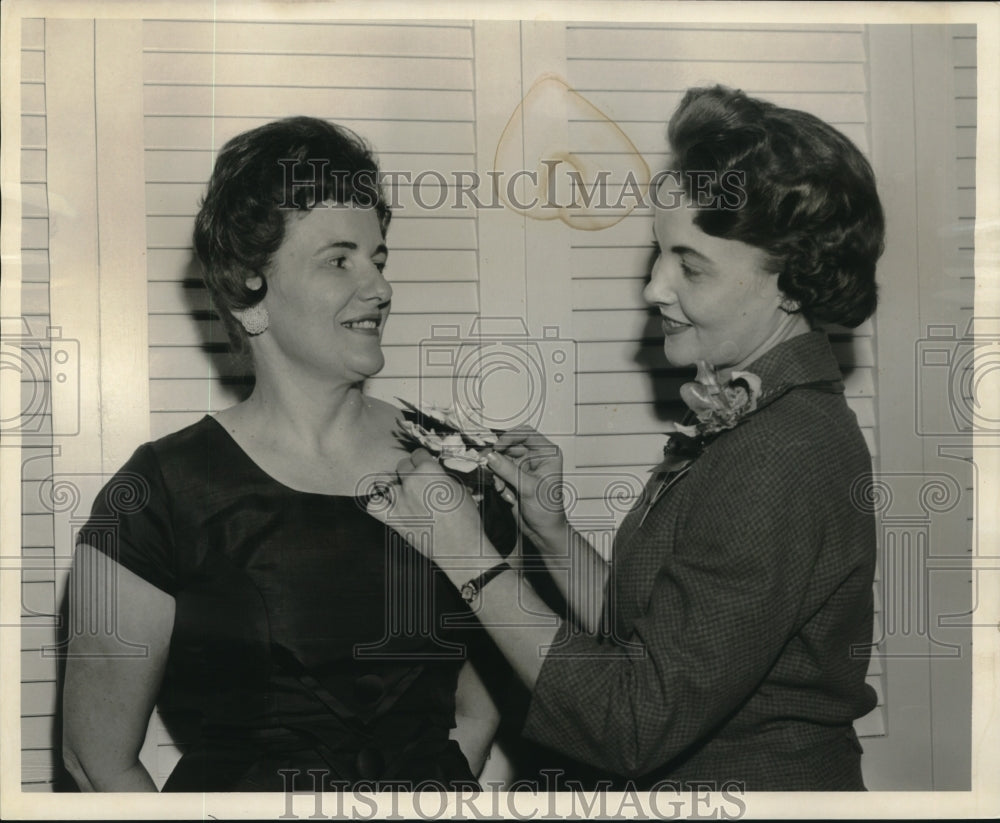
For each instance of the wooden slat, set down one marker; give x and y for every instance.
(35, 668)
(614, 325)
(36, 463)
(34, 233)
(38, 699)
(429, 194)
(277, 71)
(40, 631)
(654, 107)
(32, 33)
(872, 724)
(827, 28)
(34, 200)
(655, 151)
(627, 354)
(181, 361)
(33, 99)
(34, 298)
(635, 230)
(651, 137)
(33, 134)
(756, 78)
(619, 450)
(633, 325)
(184, 330)
(625, 262)
(964, 51)
(176, 298)
(229, 101)
(178, 395)
(834, 107)
(170, 362)
(965, 173)
(965, 82)
(40, 565)
(36, 530)
(32, 66)
(628, 387)
(965, 112)
(621, 417)
(639, 449)
(38, 597)
(638, 417)
(405, 265)
(965, 143)
(761, 46)
(609, 293)
(305, 38)
(966, 203)
(33, 165)
(38, 766)
(196, 166)
(440, 232)
(207, 132)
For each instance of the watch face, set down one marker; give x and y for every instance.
(469, 592)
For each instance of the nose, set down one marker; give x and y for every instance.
(660, 289)
(376, 287)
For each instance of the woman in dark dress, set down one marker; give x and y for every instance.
(282, 623)
(727, 643)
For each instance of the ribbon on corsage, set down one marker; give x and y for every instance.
(716, 406)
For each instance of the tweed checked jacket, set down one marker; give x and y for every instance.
(741, 606)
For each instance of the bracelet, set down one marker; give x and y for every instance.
(470, 591)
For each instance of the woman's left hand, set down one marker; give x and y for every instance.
(433, 512)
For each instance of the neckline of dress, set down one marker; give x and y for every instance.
(256, 467)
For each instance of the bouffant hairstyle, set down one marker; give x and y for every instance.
(261, 179)
(807, 196)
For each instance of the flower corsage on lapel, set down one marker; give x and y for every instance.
(459, 443)
(716, 406)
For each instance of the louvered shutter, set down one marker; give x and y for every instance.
(406, 88)
(39, 579)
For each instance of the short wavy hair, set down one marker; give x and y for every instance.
(263, 176)
(810, 197)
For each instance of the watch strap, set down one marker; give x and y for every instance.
(470, 591)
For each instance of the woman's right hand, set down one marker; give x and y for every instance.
(529, 467)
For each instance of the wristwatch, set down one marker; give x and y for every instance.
(470, 591)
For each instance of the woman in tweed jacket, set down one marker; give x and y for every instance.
(727, 644)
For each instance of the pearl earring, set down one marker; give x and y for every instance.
(789, 306)
(254, 319)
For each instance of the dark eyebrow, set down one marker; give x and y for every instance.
(350, 245)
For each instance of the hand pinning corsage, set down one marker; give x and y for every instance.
(717, 408)
(459, 443)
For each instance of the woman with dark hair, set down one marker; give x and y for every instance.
(727, 644)
(253, 597)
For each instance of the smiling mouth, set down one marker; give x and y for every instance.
(671, 326)
(366, 324)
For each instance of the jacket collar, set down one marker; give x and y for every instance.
(805, 360)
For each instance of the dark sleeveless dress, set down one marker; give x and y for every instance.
(307, 638)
